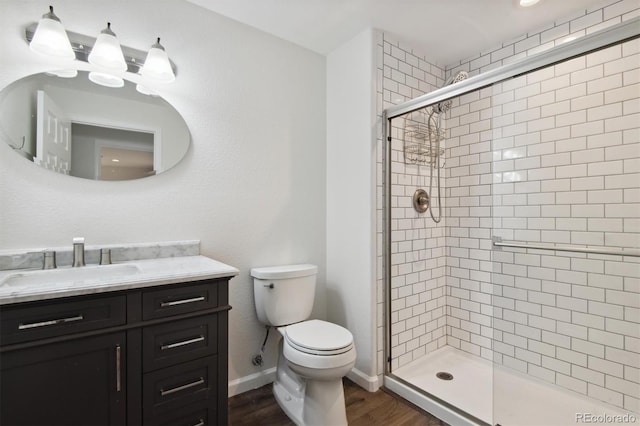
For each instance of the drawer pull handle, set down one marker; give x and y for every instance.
(182, 301)
(118, 370)
(27, 326)
(183, 343)
(183, 387)
(200, 423)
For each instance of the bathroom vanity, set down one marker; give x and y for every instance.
(147, 346)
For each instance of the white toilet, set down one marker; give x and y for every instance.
(313, 355)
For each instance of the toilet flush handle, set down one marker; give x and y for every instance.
(269, 285)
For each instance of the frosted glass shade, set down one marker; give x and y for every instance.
(70, 73)
(51, 39)
(157, 66)
(145, 90)
(107, 53)
(106, 80)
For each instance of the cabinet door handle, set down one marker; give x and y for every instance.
(200, 423)
(183, 387)
(25, 326)
(183, 343)
(118, 370)
(182, 301)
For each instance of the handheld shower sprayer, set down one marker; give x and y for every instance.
(438, 109)
(454, 78)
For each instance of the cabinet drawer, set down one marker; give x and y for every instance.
(173, 387)
(40, 321)
(179, 299)
(180, 341)
(200, 414)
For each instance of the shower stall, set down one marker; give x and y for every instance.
(512, 239)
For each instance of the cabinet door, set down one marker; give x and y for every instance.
(78, 382)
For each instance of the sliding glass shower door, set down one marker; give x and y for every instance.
(566, 233)
(520, 305)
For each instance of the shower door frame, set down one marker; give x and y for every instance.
(607, 37)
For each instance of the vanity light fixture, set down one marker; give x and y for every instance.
(109, 60)
(527, 3)
(50, 38)
(157, 67)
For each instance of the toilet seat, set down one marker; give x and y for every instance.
(319, 337)
(318, 344)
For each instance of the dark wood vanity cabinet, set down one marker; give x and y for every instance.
(152, 356)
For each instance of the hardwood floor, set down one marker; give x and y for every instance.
(259, 408)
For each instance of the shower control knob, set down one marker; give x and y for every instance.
(421, 200)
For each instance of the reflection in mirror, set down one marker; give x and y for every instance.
(74, 127)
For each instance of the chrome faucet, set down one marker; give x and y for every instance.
(78, 251)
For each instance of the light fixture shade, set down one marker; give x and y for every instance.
(50, 38)
(145, 90)
(107, 80)
(68, 73)
(157, 66)
(106, 52)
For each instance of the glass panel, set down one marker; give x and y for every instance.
(441, 288)
(566, 164)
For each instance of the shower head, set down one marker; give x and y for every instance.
(455, 78)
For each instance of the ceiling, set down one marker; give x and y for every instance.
(444, 30)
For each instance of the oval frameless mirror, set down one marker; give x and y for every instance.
(75, 127)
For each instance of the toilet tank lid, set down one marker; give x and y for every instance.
(284, 271)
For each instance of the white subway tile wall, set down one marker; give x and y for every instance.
(553, 156)
(418, 259)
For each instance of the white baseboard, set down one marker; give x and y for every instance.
(261, 378)
(252, 381)
(368, 383)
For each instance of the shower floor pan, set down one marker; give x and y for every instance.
(493, 394)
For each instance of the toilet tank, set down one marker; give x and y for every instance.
(284, 294)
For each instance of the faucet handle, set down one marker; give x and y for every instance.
(78, 252)
(49, 260)
(105, 256)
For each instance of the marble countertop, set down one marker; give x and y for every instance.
(139, 274)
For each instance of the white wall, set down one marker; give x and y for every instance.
(252, 186)
(351, 197)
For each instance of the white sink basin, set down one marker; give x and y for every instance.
(68, 275)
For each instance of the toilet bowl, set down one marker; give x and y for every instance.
(313, 355)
